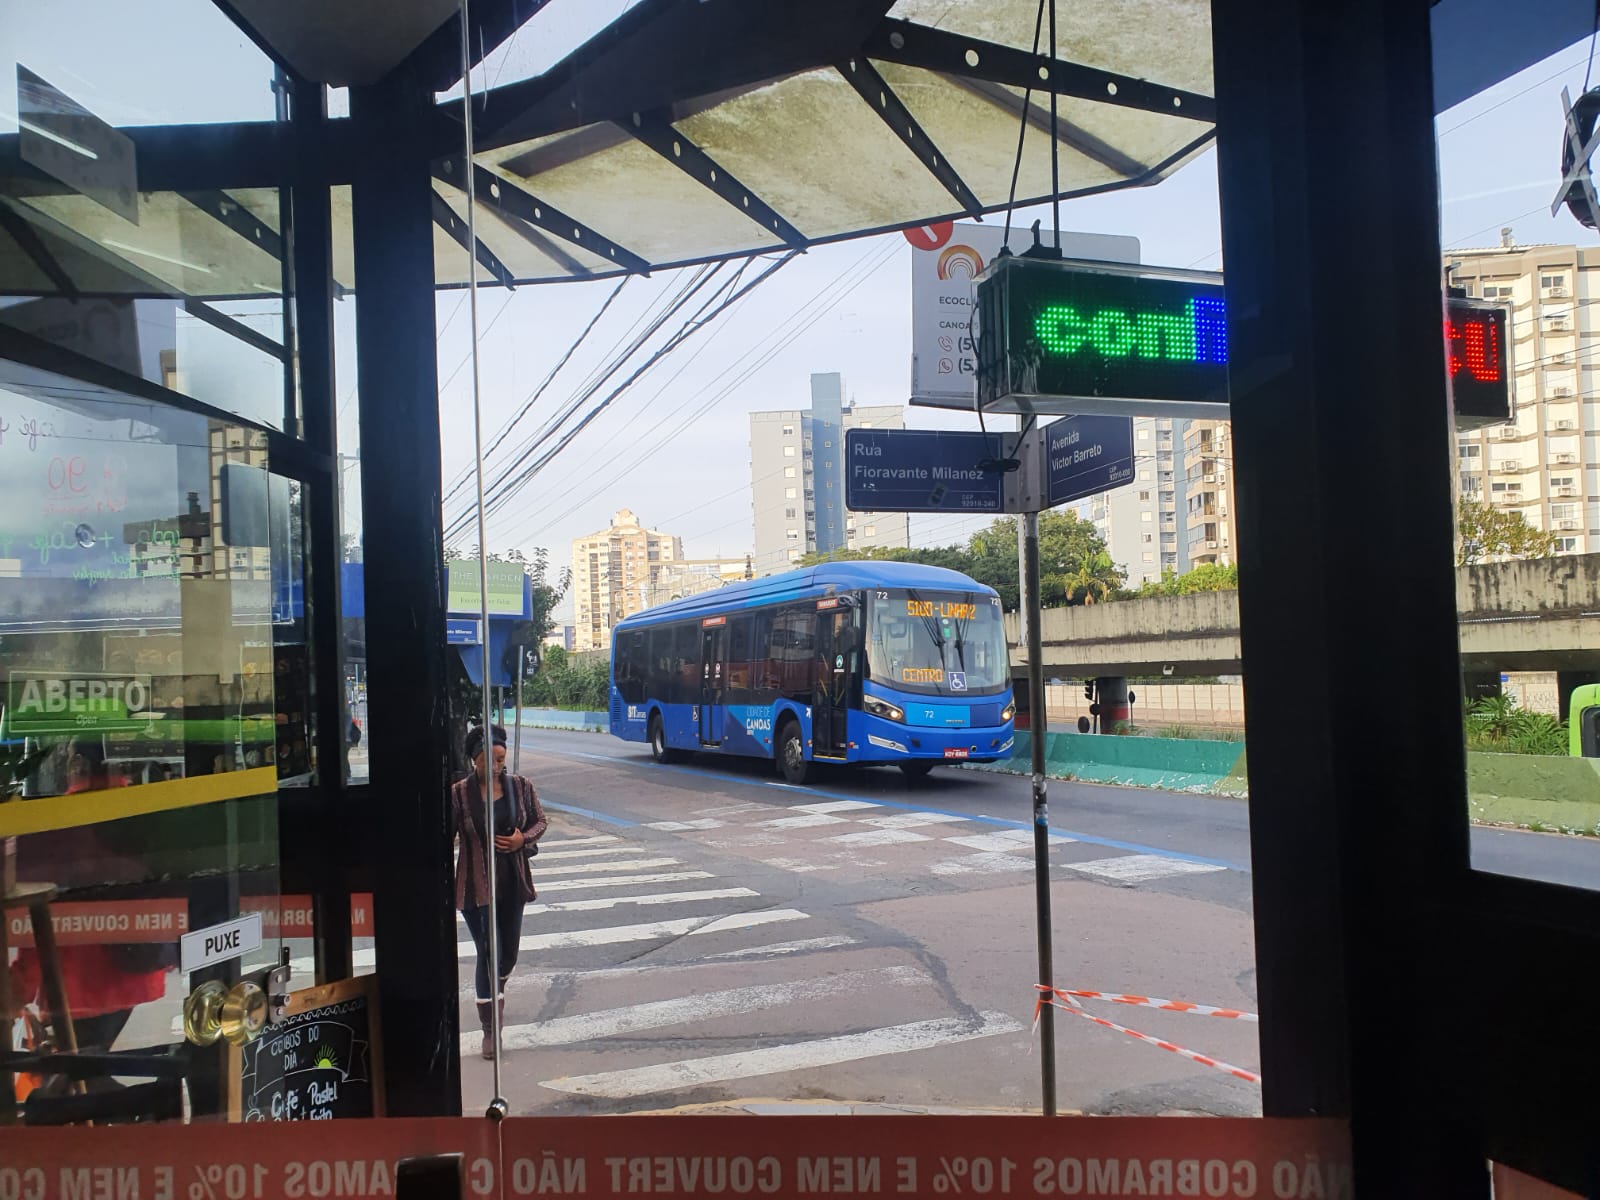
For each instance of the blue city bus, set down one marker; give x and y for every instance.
(848, 662)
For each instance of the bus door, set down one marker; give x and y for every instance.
(713, 679)
(837, 665)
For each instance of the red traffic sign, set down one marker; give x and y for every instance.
(930, 237)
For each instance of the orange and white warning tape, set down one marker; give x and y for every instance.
(1199, 1010)
(1069, 998)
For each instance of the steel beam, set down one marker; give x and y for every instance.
(914, 45)
(224, 208)
(445, 218)
(27, 238)
(880, 97)
(408, 667)
(234, 328)
(507, 199)
(1068, 134)
(656, 131)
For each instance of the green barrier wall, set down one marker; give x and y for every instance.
(1177, 764)
(1537, 791)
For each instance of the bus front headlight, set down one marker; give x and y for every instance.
(1009, 711)
(882, 708)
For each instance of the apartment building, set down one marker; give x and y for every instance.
(615, 572)
(1208, 514)
(1545, 464)
(1143, 523)
(797, 480)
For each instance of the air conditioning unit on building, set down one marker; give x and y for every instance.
(1561, 357)
(1211, 545)
(1506, 432)
(1567, 523)
(1558, 292)
(1565, 458)
(1561, 393)
(1567, 424)
(1566, 491)
(1509, 464)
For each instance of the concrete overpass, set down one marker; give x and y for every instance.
(1534, 615)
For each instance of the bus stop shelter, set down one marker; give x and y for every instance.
(696, 130)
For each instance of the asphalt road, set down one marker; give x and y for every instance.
(708, 934)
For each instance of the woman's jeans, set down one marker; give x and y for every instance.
(510, 913)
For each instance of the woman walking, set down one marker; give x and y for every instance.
(519, 822)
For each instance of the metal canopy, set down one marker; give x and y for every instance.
(687, 131)
(693, 131)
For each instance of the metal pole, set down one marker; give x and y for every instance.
(1039, 725)
(516, 744)
(497, 1105)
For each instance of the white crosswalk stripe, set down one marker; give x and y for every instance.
(631, 864)
(877, 837)
(605, 881)
(546, 843)
(546, 855)
(804, 821)
(702, 1006)
(681, 826)
(835, 806)
(912, 820)
(796, 1056)
(658, 898)
(1141, 868)
(1006, 839)
(647, 931)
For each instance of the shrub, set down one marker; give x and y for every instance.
(1496, 724)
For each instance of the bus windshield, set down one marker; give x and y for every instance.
(937, 643)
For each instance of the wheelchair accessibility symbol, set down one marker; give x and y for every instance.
(958, 681)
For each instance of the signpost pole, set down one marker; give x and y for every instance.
(1038, 725)
(516, 738)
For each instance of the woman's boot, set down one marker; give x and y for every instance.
(486, 1019)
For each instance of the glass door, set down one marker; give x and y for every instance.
(712, 656)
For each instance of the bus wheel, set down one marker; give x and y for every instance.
(659, 749)
(916, 769)
(792, 753)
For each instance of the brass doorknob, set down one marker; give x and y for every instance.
(202, 1013)
(244, 1013)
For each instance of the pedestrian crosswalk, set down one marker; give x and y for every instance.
(622, 917)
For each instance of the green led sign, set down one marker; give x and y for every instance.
(1068, 337)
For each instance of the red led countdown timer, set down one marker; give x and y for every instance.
(1477, 360)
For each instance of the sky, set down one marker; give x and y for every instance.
(674, 447)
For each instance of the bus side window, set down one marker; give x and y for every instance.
(763, 678)
(738, 683)
(686, 662)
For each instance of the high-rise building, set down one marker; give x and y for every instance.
(797, 480)
(613, 573)
(1139, 521)
(1208, 468)
(1545, 464)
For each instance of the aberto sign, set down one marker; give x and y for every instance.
(49, 702)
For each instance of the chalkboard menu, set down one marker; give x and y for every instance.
(324, 1060)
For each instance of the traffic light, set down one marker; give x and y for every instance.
(1088, 689)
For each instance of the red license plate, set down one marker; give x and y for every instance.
(956, 752)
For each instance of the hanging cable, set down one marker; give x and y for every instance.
(498, 1107)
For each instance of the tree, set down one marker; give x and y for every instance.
(1207, 577)
(1485, 533)
(1094, 577)
(1070, 548)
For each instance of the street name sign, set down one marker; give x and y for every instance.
(922, 470)
(1085, 455)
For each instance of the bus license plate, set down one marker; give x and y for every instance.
(955, 752)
